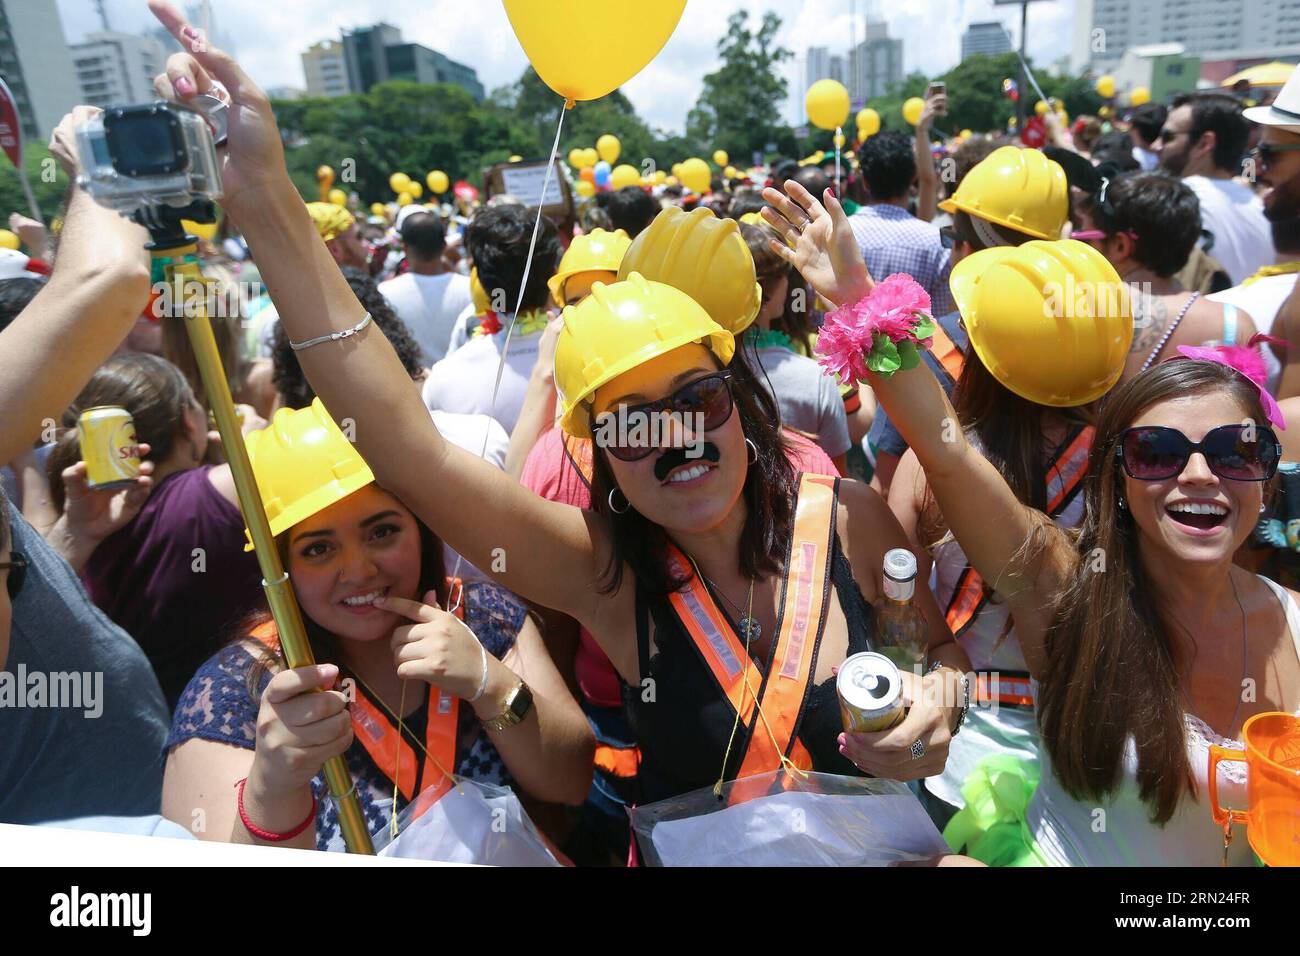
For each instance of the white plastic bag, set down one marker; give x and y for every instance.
(471, 823)
(812, 820)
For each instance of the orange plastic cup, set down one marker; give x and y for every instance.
(1272, 759)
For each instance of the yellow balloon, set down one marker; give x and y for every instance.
(1041, 108)
(582, 55)
(660, 177)
(965, 134)
(672, 181)
(206, 231)
(398, 182)
(325, 175)
(731, 172)
(338, 197)
(1105, 112)
(624, 175)
(415, 189)
(575, 158)
(584, 188)
(438, 182)
(677, 170)
(827, 103)
(377, 209)
(8, 240)
(1139, 96)
(839, 140)
(1106, 86)
(516, 159)
(720, 157)
(868, 122)
(608, 147)
(696, 175)
(404, 199)
(590, 157)
(912, 108)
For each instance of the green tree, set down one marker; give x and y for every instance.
(739, 109)
(49, 184)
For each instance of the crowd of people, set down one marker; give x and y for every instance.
(499, 586)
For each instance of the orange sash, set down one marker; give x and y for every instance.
(393, 755)
(947, 353)
(1064, 477)
(770, 711)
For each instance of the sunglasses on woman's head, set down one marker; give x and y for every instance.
(1234, 452)
(639, 428)
(17, 568)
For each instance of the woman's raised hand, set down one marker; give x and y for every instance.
(253, 153)
(438, 649)
(298, 729)
(819, 242)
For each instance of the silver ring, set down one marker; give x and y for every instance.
(917, 749)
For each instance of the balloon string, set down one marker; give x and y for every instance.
(519, 301)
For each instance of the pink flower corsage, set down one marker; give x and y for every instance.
(880, 332)
(1249, 363)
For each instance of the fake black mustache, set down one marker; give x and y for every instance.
(676, 457)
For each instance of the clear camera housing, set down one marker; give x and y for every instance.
(134, 158)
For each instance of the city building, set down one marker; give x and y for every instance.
(35, 62)
(1166, 69)
(875, 64)
(377, 53)
(1105, 29)
(117, 69)
(326, 69)
(989, 38)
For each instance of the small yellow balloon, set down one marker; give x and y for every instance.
(325, 175)
(1041, 108)
(377, 209)
(696, 175)
(575, 157)
(582, 54)
(415, 189)
(660, 177)
(1139, 96)
(912, 109)
(1105, 112)
(338, 197)
(966, 134)
(608, 148)
(516, 159)
(839, 140)
(1106, 86)
(590, 157)
(720, 158)
(868, 122)
(438, 182)
(624, 175)
(404, 199)
(8, 240)
(398, 182)
(731, 172)
(677, 170)
(672, 181)
(827, 104)
(584, 188)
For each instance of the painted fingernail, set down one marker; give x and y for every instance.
(184, 87)
(844, 751)
(190, 32)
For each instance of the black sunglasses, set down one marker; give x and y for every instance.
(1265, 153)
(1234, 452)
(638, 428)
(1169, 135)
(17, 568)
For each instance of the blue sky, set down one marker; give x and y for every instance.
(270, 35)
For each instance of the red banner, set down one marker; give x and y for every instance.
(11, 127)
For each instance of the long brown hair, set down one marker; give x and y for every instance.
(1113, 661)
(152, 389)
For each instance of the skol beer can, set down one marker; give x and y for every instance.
(871, 693)
(108, 446)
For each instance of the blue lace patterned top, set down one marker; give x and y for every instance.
(216, 706)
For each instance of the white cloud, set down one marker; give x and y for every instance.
(270, 35)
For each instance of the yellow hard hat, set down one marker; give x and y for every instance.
(303, 464)
(706, 257)
(331, 220)
(597, 251)
(477, 294)
(618, 327)
(1051, 321)
(1018, 188)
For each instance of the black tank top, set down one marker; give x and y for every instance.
(683, 722)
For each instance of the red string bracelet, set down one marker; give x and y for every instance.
(267, 835)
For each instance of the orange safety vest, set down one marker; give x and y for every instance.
(1065, 476)
(578, 451)
(804, 596)
(947, 353)
(392, 754)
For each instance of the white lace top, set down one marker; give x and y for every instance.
(1119, 831)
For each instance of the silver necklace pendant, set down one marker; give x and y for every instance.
(750, 629)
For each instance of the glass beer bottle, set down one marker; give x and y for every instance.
(903, 633)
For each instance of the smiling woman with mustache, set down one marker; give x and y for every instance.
(660, 562)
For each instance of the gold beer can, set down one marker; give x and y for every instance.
(870, 689)
(108, 446)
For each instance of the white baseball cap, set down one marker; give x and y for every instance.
(1285, 110)
(14, 265)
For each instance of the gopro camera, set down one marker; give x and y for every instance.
(150, 162)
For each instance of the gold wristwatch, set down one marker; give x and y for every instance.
(516, 706)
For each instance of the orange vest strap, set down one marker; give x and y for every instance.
(1009, 690)
(618, 761)
(945, 350)
(805, 591)
(967, 598)
(579, 452)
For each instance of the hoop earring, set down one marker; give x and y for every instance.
(753, 451)
(618, 511)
